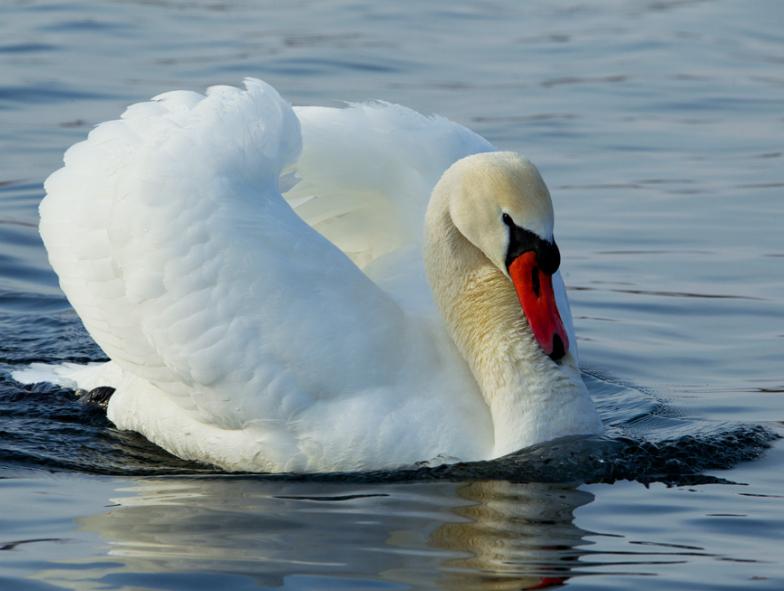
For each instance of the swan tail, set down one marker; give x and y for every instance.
(74, 376)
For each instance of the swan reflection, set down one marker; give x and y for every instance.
(274, 534)
(516, 536)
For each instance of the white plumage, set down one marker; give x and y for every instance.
(258, 332)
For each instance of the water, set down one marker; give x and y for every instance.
(658, 128)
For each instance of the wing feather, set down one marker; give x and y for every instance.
(367, 171)
(174, 245)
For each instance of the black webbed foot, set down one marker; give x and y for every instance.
(98, 396)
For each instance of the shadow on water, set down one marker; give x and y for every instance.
(47, 427)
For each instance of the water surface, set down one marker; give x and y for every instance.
(657, 126)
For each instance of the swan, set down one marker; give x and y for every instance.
(276, 292)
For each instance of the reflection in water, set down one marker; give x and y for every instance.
(482, 535)
(517, 537)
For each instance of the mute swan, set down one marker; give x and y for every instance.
(258, 276)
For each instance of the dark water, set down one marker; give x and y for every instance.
(658, 126)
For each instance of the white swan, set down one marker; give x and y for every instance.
(260, 332)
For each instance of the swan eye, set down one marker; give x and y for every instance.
(507, 219)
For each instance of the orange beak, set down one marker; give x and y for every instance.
(535, 291)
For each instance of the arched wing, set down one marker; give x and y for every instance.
(173, 243)
(367, 170)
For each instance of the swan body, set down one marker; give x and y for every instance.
(278, 291)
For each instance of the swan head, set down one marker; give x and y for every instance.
(500, 204)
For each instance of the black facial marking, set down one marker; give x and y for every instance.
(521, 240)
(558, 348)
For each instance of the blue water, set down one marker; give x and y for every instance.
(658, 127)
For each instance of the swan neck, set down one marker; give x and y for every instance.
(477, 302)
(531, 398)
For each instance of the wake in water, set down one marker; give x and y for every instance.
(48, 427)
